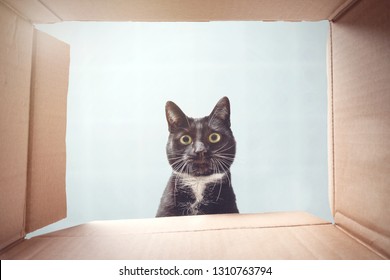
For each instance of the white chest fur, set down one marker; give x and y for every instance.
(199, 183)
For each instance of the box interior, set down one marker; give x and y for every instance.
(33, 105)
(112, 100)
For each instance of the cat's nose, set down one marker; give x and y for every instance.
(199, 147)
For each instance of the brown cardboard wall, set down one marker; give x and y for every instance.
(173, 10)
(16, 37)
(33, 10)
(46, 198)
(289, 235)
(361, 116)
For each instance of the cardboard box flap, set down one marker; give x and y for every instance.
(16, 36)
(46, 198)
(185, 10)
(33, 10)
(229, 236)
(193, 223)
(361, 123)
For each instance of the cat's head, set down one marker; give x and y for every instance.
(200, 147)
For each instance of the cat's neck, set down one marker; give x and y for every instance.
(190, 179)
(199, 183)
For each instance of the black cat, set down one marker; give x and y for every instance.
(200, 152)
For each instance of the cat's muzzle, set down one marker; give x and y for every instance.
(201, 166)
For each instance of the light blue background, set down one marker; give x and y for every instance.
(121, 75)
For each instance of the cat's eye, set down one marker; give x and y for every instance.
(214, 137)
(186, 140)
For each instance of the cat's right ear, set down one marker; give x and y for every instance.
(175, 117)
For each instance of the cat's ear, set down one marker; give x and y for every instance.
(221, 111)
(175, 117)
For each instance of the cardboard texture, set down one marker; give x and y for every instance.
(361, 114)
(33, 121)
(16, 36)
(173, 10)
(229, 236)
(32, 10)
(46, 198)
(33, 80)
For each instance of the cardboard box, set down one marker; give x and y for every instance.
(34, 79)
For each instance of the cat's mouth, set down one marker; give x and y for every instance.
(200, 161)
(201, 166)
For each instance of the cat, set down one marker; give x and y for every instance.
(200, 152)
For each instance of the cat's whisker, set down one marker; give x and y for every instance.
(224, 156)
(175, 158)
(183, 167)
(220, 181)
(186, 170)
(224, 165)
(177, 163)
(222, 147)
(223, 150)
(175, 191)
(179, 167)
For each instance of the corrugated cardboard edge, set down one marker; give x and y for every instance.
(331, 148)
(342, 9)
(49, 11)
(192, 224)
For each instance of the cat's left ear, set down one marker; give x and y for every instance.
(221, 111)
(175, 117)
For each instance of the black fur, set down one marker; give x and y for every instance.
(198, 149)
